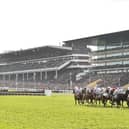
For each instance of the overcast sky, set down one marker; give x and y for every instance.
(33, 23)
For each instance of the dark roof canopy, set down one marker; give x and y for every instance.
(34, 53)
(115, 37)
(43, 48)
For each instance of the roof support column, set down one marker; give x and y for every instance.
(56, 76)
(9, 77)
(105, 54)
(34, 76)
(41, 75)
(122, 54)
(70, 79)
(45, 75)
(27, 76)
(23, 80)
(4, 80)
(9, 80)
(34, 79)
(16, 81)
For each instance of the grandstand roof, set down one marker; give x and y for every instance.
(113, 37)
(60, 47)
(34, 53)
(37, 48)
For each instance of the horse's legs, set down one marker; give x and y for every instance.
(75, 102)
(112, 101)
(91, 100)
(118, 103)
(128, 103)
(122, 103)
(99, 101)
(105, 103)
(76, 99)
(82, 101)
(88, 101)
(96, 101)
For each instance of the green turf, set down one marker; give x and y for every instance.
(58, 112)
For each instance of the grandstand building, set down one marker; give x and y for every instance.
(51, 67)
(77, 62)
(109, 57)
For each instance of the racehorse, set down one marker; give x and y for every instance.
(128, 100)
(98, 95)
(89, 96)
(119, 98)
(78, 97)
(84, 95)
(106, 96)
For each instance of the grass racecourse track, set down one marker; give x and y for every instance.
(58, 112)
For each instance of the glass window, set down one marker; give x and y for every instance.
(114, 63)
(126, 53)
(126, 62)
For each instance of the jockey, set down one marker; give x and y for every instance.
(80, 89)
(127, 91)
(116, 91)
(121, 91)
(88, 90)
(98, 90)
(108, 89)
(77, 90)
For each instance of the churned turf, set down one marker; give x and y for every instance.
(58, 112)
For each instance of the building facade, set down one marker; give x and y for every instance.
(109, 56)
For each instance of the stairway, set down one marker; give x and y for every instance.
(94, 83)
(125, 86)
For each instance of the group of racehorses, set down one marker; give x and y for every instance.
(114, 96)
